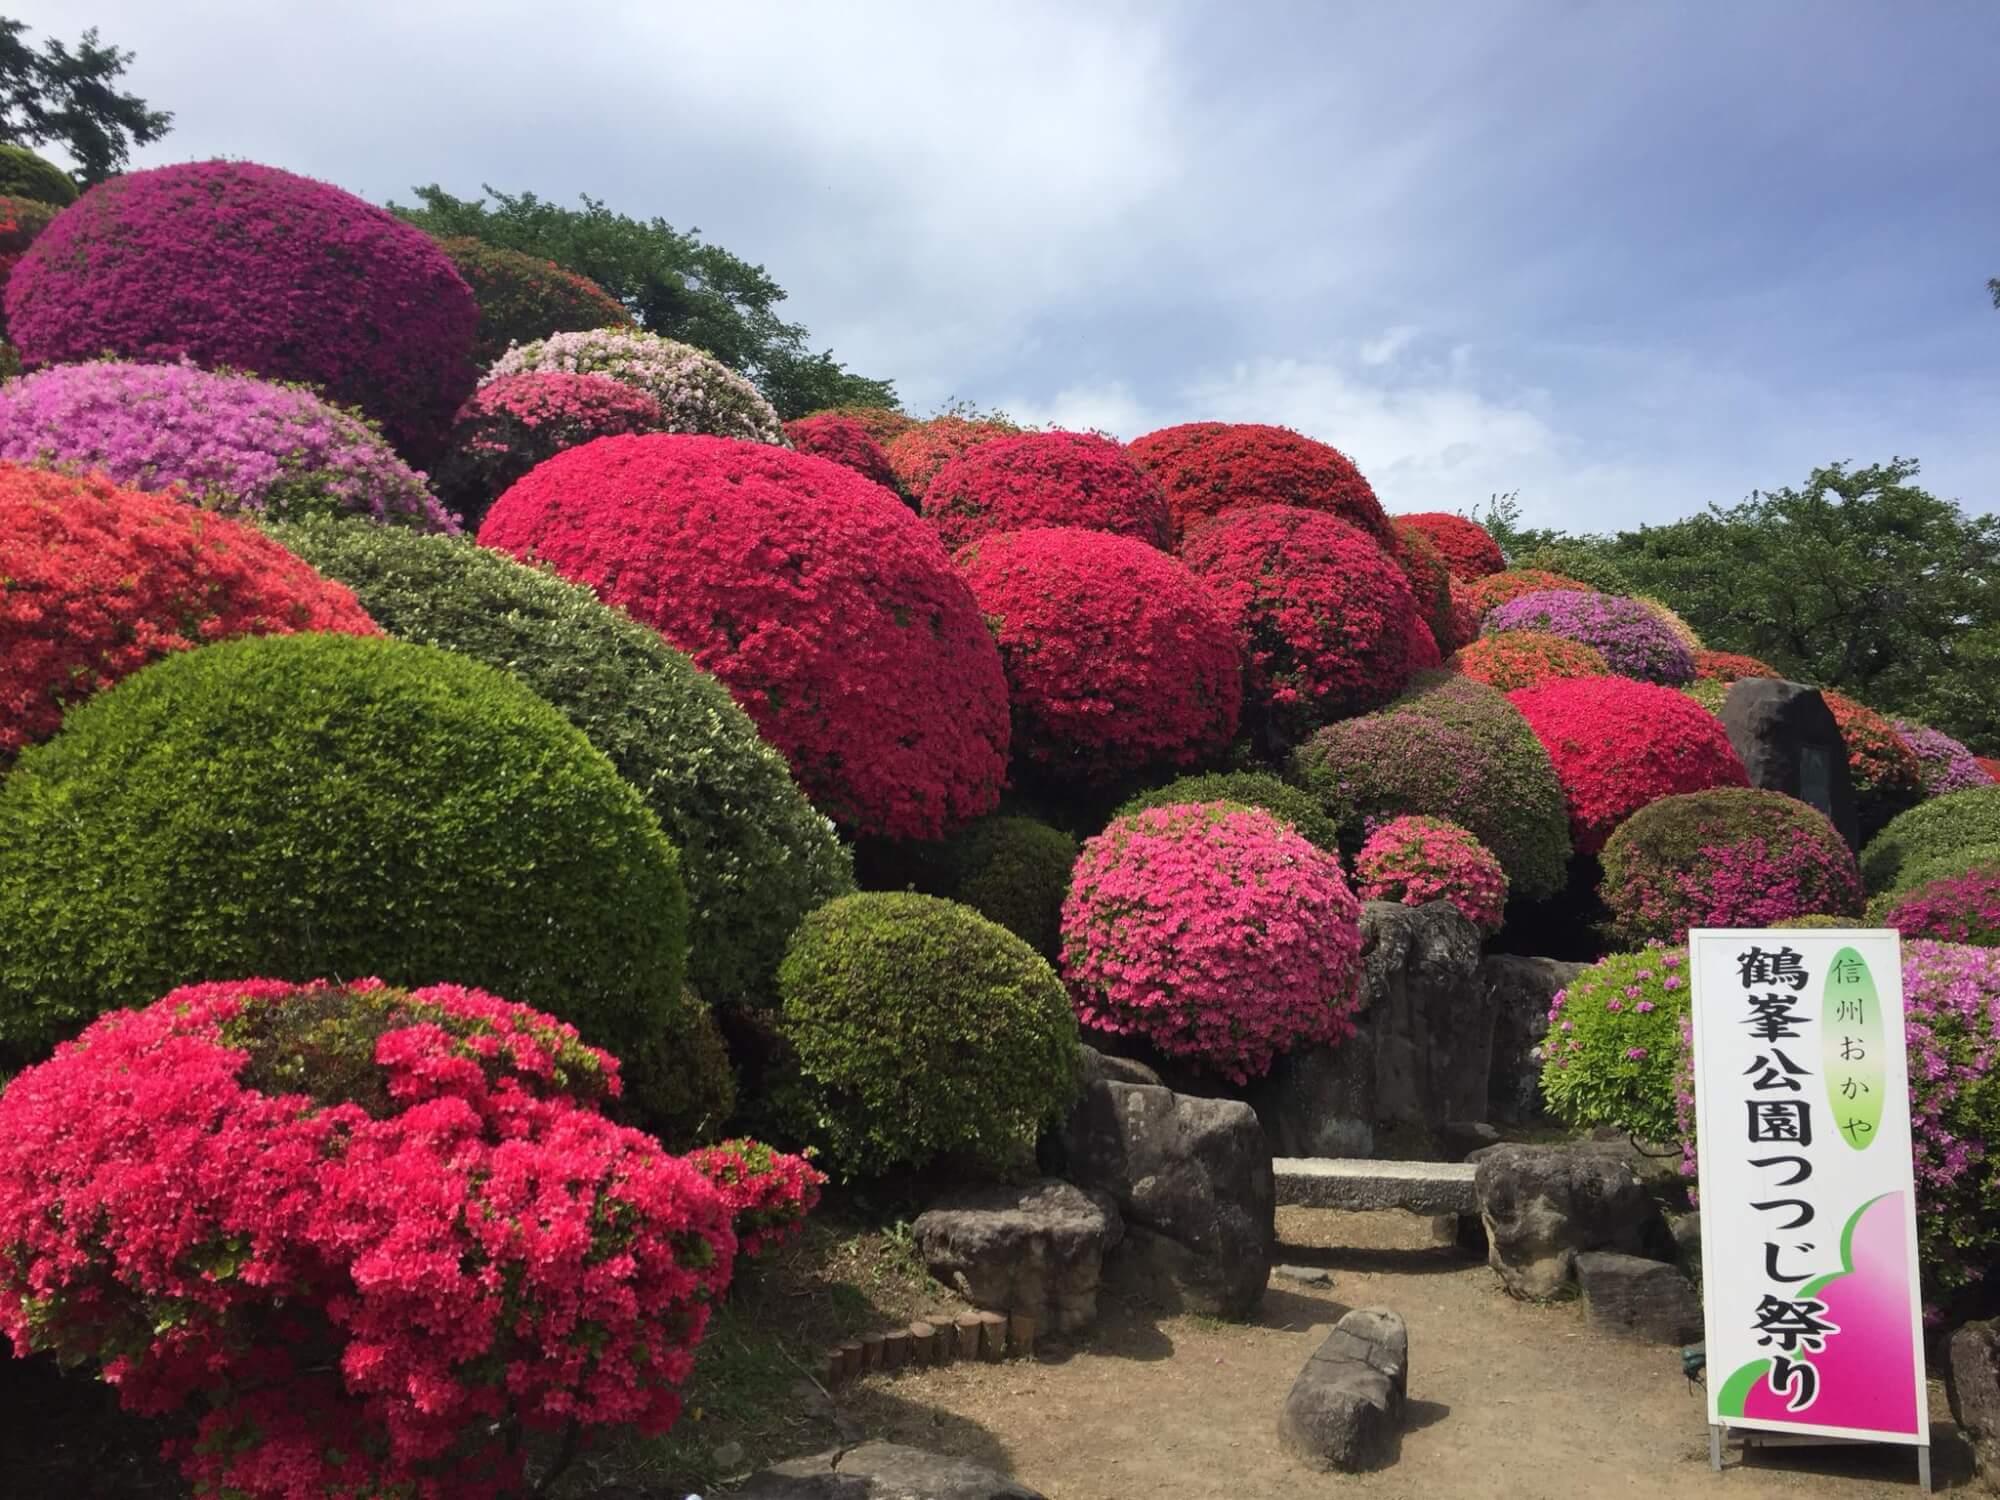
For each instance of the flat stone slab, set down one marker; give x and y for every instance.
(1424, 1187)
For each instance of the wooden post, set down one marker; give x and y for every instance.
(896, 1349)
(871, 1352)
(968, 1327)
(992, 1337)
(922, 1337)
(836, 1368)
(1021, 1335)
(850, 1360)
(944, 1341)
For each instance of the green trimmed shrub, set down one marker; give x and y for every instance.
(308, 806)
(921, 1031)
(1583, 563)
(755, 855)
(1930, 834)
(692, 1084)
(1258, 789)
(1014, 871)
(1614, 1045)
(23, 174)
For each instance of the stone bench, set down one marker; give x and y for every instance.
(1424, 1187)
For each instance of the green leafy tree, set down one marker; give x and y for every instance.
(70, 99)
(673, 281)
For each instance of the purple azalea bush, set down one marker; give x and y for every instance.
(1633, 640)
(1947, 765)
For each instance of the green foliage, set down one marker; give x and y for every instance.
(26, 175)
(1581, 558)
(1627, 1003)
(1817, 919)
(674, 282)
(1259, 789)
(1014, 871)
(331, 806)
(1919, 845)
(755, 855)
(1710, 693)
(70, 99)
(922, 1031)
(691, 1083)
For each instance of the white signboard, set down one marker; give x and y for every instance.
(1808, 1191)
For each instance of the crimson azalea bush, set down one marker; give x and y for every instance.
(1070, 479)
(1944, 763)
(882, 423)
(361, 1238)
(1526, 658)
(522, 297)
(844, 440)
(1424, 653)
(1618, 744)
(1215, 933)
(768, 1193)
(1888, 778)
(1989, 765)
(1467, 548)
(1430, 583)
(1958, 908)
(1325, 615)
(1417, 860)
(1117, 659)
(1613, 1052)
(229, 442)
(830, 612)
(1728, 666)
(96, 581)
(1207, 468)
(21, 221)
(918, 452)
(1479, 597)
(506, 428)
(232, 264)
(696, 392)
(1732, 857)
(1630, 637)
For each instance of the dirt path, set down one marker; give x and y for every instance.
(1507, 1401)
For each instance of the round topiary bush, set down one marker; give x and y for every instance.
(1944, 763)
(228, 442)
(1207, 468)
(755, 856)
(1618, 745)
(1526, 658)
(1728, 666)
(21, 221)
(1256, 789)
(1467, 548)
(506, 428)
(522, 297)
(1014, 871)
(697, 392)
(1070, 479)
(1213, 932)
(922, 1031)
(302, 805)
(1959, 908)
(1117, 660)
(232, 264)
(845, 441)
(917, 453)
(23, 174)
(831, 613)
(1479, 597)
(1451, 748)
(1939, 829)
(1888, 778)
(882, 423)
(1630, 637)
(1733, 857)
(1325, 615)
(95, 582)
(1417, 860)
(1613, 1054)
(1430, 582)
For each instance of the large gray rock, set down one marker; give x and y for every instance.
(1646, 1301)
(1346, 1408)
(1519, 992)
(1542, 1206)
(883, 1471)
(1037, 1250)
(1320, 1101)
(1789, 743)
(1105, 1067)
(1972, 1380)
(1191, 1178)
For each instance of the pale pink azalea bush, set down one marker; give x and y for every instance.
(1415, 860)
(697, 392)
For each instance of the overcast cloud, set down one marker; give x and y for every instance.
(1625, 259)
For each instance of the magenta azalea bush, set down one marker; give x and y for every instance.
(697, 392)
(1633, 639)
(1946, 765)
(1416, 860)
(1961, 908)
(1213, 931)
(228, 442)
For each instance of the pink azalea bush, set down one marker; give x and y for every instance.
(1633, 640)
(1214, 932)
(697, 392)
(1960, 908)
(1946, 765)
(1416, 860)
(509, 425)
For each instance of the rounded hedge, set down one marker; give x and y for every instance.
(21, 221)
(755, 856)
(1732, 857)
(1888, 778)
(1430, 582)
(922, 1031)
(1944, 763)
(305, 805)
(1207, 468)
(1071, 479)
(1613, 1053)
(1728, 666)
(237, 265)
(1939, 829)
(1618, 745)
(1959, 908)
(1014, 871)
(1481, 596)
(697, 392)
(232, 443)
(1467, 548)
(522, 297)
(1417, 860)
(1630, 637)
(831, 612)
(882, 423)
(1117, 660)
(23, 174)
(920, 451)
(845, 441)
(1451, 748)
(1256, 789)
(506, 428)
(1526, 658)
(95, 582)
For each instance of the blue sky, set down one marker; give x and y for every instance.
(1627, 259)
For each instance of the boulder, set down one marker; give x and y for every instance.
(1789, 743)
(883, 1471)
(1192, 1180)
(1545, 1205)
(1101, 1067)
(1037, 1249)
(1687, 1238)
(1972, 1380)
(1320, 1101)
(1646, 1301)
(1518, 992)
(1345, 1410)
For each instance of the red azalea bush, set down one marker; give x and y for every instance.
(1416, 860)
(1728, 666)
(229, 263)
(1479, 597)
(523, 297)
(1619, 744)
(1888, 778)
(1206, 468)
(1117, 659)
(882, 423)
(916, 454)
(1214, 932)
(845, 441)
(1325, 615)
(21, 220)
(96, 581)
(830, 612)
(1526, 658)
(1733, 857)
(1430, 580)
(507, 427)
(1988, 764)
(363, 1237)
(768, 1193)
(1074, 479)
(1467, 547)
(1424, 653)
